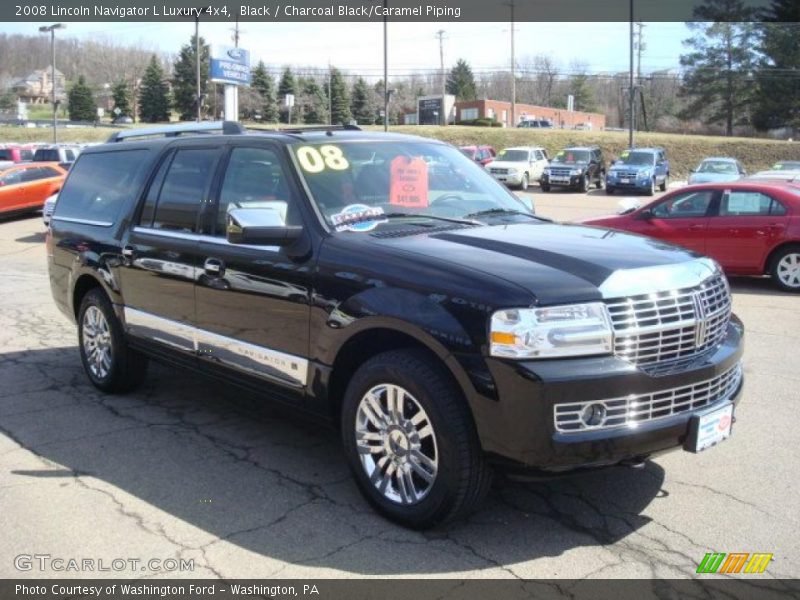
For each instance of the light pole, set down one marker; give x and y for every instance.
(631, 90)
(197, 60)
(385, 69)
(52, 30)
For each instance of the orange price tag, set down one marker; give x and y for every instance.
(409, 182)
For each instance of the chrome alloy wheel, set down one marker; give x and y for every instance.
(396, 444)
(789, 270)
(96, 342)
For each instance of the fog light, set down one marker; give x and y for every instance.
(593, 415)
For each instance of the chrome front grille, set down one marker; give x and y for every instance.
(559, 172)
(663, 328)
(634, 409)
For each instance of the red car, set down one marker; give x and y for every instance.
(482, 155)
(750, 228)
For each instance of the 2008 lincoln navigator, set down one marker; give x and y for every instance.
(389, 284)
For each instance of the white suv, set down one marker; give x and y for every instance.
(518, 166)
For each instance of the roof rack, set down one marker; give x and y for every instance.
(225, 127)
(343, 127)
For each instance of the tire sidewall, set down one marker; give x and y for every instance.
(435, 504)
(524, 183)
(774, 269)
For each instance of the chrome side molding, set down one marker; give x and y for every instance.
(250, 358)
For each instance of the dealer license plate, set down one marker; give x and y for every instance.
(709, 429)
(624, 180)
(560, 180)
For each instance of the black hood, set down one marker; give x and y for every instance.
(556, 263)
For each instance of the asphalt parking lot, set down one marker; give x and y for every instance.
(187, 469)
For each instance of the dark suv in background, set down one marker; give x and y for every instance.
(575, 168)
(388, 284)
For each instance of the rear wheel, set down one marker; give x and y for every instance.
(410, 441)
(601, 181)
(109, 363)
(785, 269)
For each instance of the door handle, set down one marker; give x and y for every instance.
(733, 231)
(214, 266)
(695, 227)
(128, 251)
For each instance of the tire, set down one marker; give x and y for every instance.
(584, 185)
(108, 361)
(601, 181)
(651, 189)
(524, 183)
(545, 187)
(785, 269)
(664, 184)
(609, 191)
(460, 475)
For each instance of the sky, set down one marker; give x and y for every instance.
(358, 47)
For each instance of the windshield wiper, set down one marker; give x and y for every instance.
(500, 211)
(401, 215)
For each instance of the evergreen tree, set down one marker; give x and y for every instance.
(8, 100)
(314, 101)
(287, 85)
(81, 102)
(184, 81)
(362, 105)
(263, 83)
(777, 97)
(120, 93)
(581, 90)
(461, 81)
(720, 66)
(153, 94)
(340, 99)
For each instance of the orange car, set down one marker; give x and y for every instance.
(25, 187)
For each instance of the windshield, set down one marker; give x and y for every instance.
(717, 166)
(572, 156)
(513, 155)
(363, 179)
(636, 158)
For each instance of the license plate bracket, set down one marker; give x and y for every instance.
(709, 429)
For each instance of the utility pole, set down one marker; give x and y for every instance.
(631, 90)
(513, 71)
(197, 61)
(385, 68)
(330, 102)
(52, 30)
(440, 35)
(640, 47)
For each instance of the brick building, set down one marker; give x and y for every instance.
(501, 111)
(37, 88)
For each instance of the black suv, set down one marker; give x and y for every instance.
(390, 285)
(575, 168)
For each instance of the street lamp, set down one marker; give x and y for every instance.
(52, 30)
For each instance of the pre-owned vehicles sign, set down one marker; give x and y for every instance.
(230, 65)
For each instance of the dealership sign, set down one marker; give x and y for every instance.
(230, 65)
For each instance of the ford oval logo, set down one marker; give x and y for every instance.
(236, 53)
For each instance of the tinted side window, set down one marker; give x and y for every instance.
(26, 154)
(183, 190)
(690, 204)
(49, 172)
(101, 184)
(32, 174)
(6, 155)
(149, 207)
(255, 179)
(47, 155)
(11, 178)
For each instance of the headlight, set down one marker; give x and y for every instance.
(569, 330)
(644, 173)
(575, 172)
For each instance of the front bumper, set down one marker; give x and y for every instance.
(520, 429)
(573, 181)
(637, 183)
(508, 179)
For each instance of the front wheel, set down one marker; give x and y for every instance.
(410, 441)
(601, 181)
(109, 363)
(664, 184)
(583, 186)
(785, 269)
(545, 187)
(609, 191)
(524, 183)
(651, 189)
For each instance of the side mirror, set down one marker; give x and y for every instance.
(645, 215)
(260, 227)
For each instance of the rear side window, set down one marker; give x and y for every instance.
(744, 203)
(100, 185)
(183, 189)
(6, 155)
(47, 155)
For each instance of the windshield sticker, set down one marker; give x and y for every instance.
(625, 154)
(560, 154)
(315, 160)
(408, 185)
(358, 217)
(777, 167)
